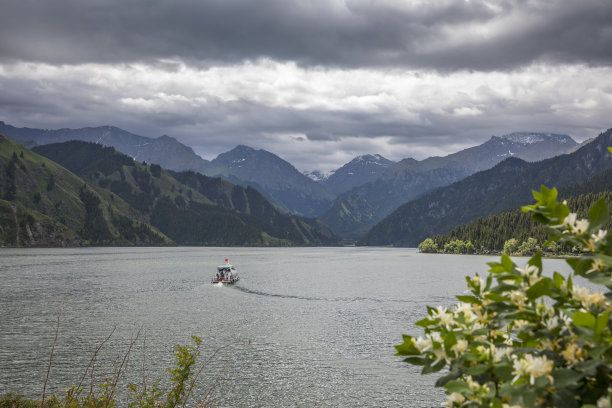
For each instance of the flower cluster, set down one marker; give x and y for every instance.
(521, 338)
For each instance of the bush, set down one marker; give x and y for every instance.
(529, 247)
(428, 246)
(523, 339)
(183, 383)
(511, 246)
(458, 246)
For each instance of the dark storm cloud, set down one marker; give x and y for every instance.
(442, 35)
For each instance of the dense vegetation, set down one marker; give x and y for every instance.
(508, 230)
(46, 205)
(523, 338)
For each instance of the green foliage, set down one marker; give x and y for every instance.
(428, 246)
(511, 246)
(492, 233)
(95, 227)
(156, 170)
(459, 247)
(521, 338)
(529, 247)
(183, 377)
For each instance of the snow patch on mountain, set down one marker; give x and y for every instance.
(318, 175)
(527, 138)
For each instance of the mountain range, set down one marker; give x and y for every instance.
(351, 200)
(356, 211)
(80, 193)
(506, 186)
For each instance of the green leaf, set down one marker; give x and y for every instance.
(536, 261)
(442, 381)
(507, 263)
(478, 369)
(433, 368)
(468, 299)
(540, 288)
(602, 322)
(418, 361)
(503, 371)
(558, 279)
(407, 348)
(496, 297)
(584, 319)
(425, 322)
(457, 386)
(449, 341)
(598, 214)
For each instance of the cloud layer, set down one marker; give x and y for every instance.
(316, 81)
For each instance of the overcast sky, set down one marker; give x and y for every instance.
(316, 82)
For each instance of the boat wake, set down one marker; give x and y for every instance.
(319, 298)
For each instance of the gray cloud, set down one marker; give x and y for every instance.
(316, 81)
(443, 35)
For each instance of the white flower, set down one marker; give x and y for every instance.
(604, 402)
(570, 220)
(460, 347)
(454, 398)
(552, 323)
(588, 299)
(573, 354)
(440, 355)
(600, 236)
(467, 310)
(582, 226)
(597, 266)
(499, 353)
(518, 298)
(533, 367)
(422, 343)
(446, 317)
(520, 324)
(574, 225)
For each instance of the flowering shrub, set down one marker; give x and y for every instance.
(522, 339)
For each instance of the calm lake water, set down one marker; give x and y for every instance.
(304, 327)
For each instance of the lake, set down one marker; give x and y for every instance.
(304, 327)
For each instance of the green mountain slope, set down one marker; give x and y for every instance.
(43, 204)
(190, 208)
(506, 186)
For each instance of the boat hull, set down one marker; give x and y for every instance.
(225, 281)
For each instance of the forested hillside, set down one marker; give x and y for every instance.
(43, 204)
(489, 234)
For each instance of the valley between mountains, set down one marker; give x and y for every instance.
(106, 186)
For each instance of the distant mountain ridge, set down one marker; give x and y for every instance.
(355, 211)
(164, 150)
(190, 208)
(350, 199)
(362, 169)
(505, 186)
(276, 178)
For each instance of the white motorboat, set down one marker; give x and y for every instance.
(226, 274)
